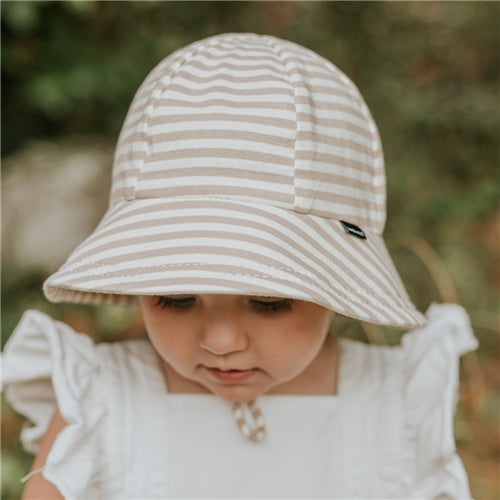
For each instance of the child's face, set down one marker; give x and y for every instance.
(237, 347)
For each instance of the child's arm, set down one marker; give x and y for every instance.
(38, 487)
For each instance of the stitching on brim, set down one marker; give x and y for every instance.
(358, 298)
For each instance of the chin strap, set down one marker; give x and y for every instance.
(256, 430)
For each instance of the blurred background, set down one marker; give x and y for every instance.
(429, 72)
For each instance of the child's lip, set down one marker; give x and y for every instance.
(231, 375)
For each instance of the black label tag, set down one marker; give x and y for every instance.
(354, 230)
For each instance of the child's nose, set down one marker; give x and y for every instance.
(223, 333)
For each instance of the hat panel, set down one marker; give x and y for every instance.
(233, 87)
(132, 147)
(221, 129)
(334, 147)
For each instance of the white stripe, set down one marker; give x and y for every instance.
(191, 181)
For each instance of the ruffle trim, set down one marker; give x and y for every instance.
(431, 467)
(47, 365)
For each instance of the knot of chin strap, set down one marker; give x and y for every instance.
(255, 430)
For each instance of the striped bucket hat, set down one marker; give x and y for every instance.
(246, 165)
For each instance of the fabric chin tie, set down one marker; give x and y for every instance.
(254, 431)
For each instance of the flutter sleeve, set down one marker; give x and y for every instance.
(431, 364)
(47, 365)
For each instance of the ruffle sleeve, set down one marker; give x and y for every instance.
(432, 467)
(47, 365)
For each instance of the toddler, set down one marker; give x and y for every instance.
(246, 213)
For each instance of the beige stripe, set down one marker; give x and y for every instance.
(223, 117)
(211, 172)
(123, 175)
(238, 79)
(225, 56)
(333, 140)
(124, 192)
(279, 91)
(257, 50)
(337, 180)
(333, 123)
(130, 156)
(304, 56)
(224, 64)
(214, 153)
(330, 106)
(236, 104)
(323, 74)
(313, 193)
(331, 159)
(243, 135)
(314, 90)
(136, 136)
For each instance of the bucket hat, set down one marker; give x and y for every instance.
(246, 165)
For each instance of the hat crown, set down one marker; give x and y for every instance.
(253, 118)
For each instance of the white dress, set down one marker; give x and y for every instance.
(387, 434)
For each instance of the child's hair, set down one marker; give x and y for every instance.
(246, 165)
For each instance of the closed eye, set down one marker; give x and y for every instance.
(271, 305)
(175, 301)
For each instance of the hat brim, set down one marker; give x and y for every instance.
(224, 246)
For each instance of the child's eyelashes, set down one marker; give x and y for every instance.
(271, 305)
(175, 301)
(262, 305)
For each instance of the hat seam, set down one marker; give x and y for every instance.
(160, 87)
(321, 283)
(279, 53)
(249, 201)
